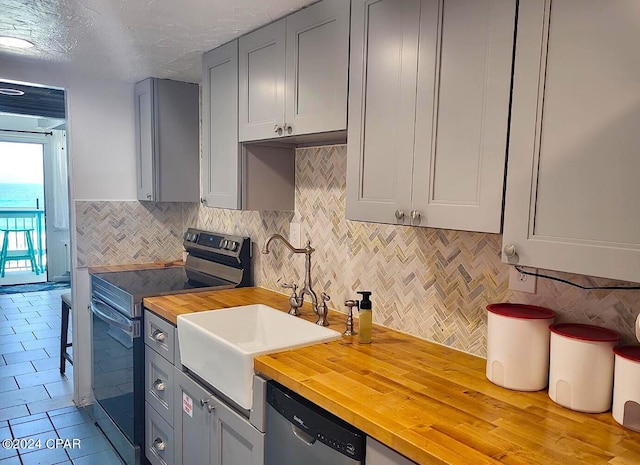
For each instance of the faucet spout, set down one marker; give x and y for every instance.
(307, 251)
(265, 249)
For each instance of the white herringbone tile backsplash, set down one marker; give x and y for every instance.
(431, 283)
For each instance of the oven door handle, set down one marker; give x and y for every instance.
(132, 328)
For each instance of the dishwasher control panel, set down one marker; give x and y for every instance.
(312, 423)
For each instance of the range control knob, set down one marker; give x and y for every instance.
(223, 243)
(234, 246)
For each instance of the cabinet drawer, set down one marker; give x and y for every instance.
(158, 374)
(159, 335)
(159, 444)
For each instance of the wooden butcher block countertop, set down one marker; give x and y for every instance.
(428, 402)
(135, 266)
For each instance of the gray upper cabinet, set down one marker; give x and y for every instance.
(262, 75)
(167, 144)
(221, 150)
(294, 73)
(572, 188)
(234, 176)
(428, 112)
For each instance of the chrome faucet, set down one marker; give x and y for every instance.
(307, 251)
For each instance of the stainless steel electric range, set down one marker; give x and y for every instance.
(215, 261)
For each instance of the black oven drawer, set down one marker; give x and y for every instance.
(160, 335)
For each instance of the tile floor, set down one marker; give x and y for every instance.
(36, 403)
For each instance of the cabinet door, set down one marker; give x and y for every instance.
(382, 92)
(235, 440)
(317, 68)
(192, 421)
(221, 152)
(262, 80)
(145, 133)
(464, 84)
(572, 187)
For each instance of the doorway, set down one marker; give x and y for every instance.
(34, 190)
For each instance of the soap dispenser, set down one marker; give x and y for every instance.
(365, 317)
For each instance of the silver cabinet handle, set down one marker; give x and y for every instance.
(149, 196)
(203, 402)
(159, 336)
(159, 445)
(510, 250)
(210, 408)
(399, 214)
(415, 215)
(158, 385)
(288, 129)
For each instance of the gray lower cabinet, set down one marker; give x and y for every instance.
(159, 442)
(208, 432)
(379, 454)
(159, 384)
(160, 350)
(192, 421)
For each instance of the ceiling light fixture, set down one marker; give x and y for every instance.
(15, 42)
(12, 92)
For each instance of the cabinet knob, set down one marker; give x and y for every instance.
(277, 129)
(159, 445)
(148, 196)
(203, 201)
(510, 250)
(159, 336)
(203, 402)
(399, 214)
(210, 408)
(158, 385)
(287, 129)
(415, 215)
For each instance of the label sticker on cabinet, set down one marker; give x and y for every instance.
(187, 404)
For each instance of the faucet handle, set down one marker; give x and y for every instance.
(293, 286)
(323, 310)
(349, 331)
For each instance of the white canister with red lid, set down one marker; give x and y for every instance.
(626, 387)
(581, 366)
(518, 346)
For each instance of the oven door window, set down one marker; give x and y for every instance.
(114, 338)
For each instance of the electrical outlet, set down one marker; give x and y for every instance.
(522, 282)
(294, 234)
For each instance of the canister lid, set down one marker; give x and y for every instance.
(527, 312)
(585, 332)
(629, 352)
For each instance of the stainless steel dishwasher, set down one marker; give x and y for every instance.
(301, 433)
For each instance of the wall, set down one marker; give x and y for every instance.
(100, 122)
(117, 232)
(101, 147)
(432, 283)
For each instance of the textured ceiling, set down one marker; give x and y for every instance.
(134, 39)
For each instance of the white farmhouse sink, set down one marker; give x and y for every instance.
(219, 345)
